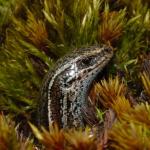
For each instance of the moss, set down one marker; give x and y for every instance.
(35, 34)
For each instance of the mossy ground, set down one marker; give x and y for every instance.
(35, 34)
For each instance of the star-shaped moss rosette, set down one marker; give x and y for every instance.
(111, 25)
(134, 127)
(70, 139)
(10, 138)
(107, 91)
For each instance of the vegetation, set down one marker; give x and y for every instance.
(35, 34)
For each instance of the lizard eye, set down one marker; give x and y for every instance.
(108, 49)
(88, 61)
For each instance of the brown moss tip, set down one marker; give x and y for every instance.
(134, 126)
(10, 138)
(106, 92)
(112, 25)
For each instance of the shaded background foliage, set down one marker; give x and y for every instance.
(35, 34)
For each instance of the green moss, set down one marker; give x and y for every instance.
(35, 34)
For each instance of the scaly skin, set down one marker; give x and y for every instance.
(65, 88)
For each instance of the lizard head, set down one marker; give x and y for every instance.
(94, 56)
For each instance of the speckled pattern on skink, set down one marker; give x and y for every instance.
(65, 88)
